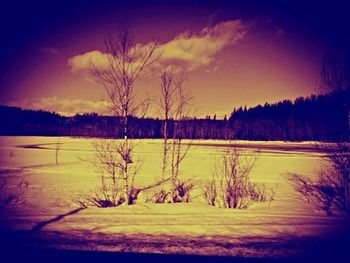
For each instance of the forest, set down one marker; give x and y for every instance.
(317, 117)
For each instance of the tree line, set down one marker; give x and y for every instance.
(322, 117)
(317, 117)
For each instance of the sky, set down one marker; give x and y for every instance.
(235, 53)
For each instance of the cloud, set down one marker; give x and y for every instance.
(192, 51)
(187, 50)
(68, 107)
(83, 62)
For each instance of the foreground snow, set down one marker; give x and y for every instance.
(46, 205)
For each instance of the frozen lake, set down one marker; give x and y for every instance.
(32, 159)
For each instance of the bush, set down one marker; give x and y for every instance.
(114, 161)
(257, 192)
(182, 191)
(160, 197)
(326, 192)
(110, 194)
(339, 159)
(330, 190)
(231, 186)
(210, 193)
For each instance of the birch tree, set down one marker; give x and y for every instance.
(125, 63)
(175, 106)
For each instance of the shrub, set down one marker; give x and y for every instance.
(326, 192)
(330, 190)
(231, 186)
(160, 197)
(210, 192)
(182, 191)
(114, 161)
(108, 195)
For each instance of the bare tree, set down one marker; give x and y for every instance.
(330, 190)
(325, 192)
(108, 160)
(335, 78)
(333, 75)
(180, 190)
(168, 85)
(175, 104)
(339, 158)
(210, 192)
(234, 181)
(126, 61)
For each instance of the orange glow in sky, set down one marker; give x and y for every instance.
(233, 55)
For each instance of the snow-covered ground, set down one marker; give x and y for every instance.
(47, 190)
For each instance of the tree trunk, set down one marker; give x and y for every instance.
(165, 152)
(126, 158)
